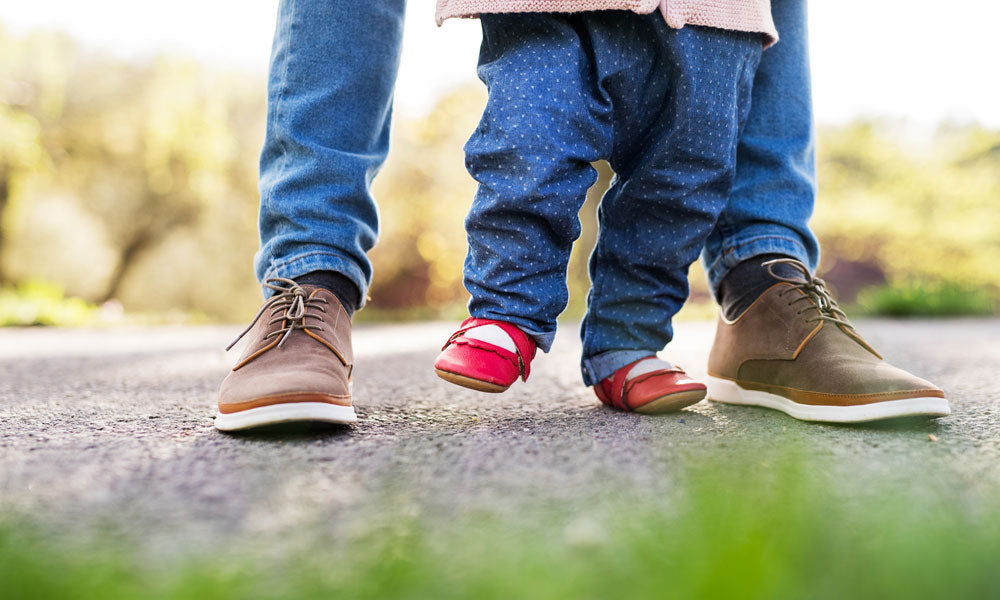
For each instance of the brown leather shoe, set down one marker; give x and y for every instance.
(794, 350)
(297, 366)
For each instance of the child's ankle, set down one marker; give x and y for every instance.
(492, 334)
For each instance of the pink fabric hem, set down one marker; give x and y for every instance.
(736, 15)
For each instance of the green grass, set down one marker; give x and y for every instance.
(750, 530)
(42, 303)
(922, 299)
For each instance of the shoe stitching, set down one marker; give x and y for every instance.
(833, 395)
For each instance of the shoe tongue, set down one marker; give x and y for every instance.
(312, 290)
(785, 271)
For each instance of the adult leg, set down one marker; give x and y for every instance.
(782, 342)
(774, 189)
(333, 68)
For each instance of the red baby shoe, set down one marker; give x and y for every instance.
(650, 390)
(481, 365)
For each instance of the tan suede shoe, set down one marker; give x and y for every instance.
(297, 365)
(794, 350)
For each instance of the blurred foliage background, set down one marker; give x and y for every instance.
(130, 187)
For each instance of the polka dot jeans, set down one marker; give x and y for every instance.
(664, 106)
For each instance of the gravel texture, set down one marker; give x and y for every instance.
(111, 431)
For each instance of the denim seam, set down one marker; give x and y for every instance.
(297, 257)
(596, 284)
(718, 270)
(755, 240)
(279, 101)
(730, 250)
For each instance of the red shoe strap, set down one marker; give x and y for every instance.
(617, 392)
(524, 344)
(488, 347)
(619, 381)
(652, 374)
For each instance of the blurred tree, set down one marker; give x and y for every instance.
(917, 208)
(20, 155)
(578, 275)
(139, 154)
(423, 194)
(21, 149)
(151, 148)
(137, 180)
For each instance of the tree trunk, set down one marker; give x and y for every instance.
(4, 201)
(126, 260)
(156, 229)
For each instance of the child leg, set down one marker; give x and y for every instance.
(544, 124)
(667, 195)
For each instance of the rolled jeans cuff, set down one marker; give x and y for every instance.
(600, 367)
(319, 260)
(735, 253)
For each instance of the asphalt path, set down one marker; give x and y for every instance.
(110, 430)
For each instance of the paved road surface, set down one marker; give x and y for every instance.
(111, 431)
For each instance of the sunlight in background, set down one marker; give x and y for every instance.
(136, 146)
(893, 58)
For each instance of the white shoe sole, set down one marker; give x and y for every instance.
(291, 412)
(729, 392)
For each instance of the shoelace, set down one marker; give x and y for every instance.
(293, 304)
(814, 289)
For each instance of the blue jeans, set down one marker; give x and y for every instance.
(333, 68)
(329, 99)
(663, 106)
(775, 186)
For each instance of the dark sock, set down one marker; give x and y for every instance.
(339, 285)
(748, 280)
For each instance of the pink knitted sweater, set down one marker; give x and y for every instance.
(738, 15)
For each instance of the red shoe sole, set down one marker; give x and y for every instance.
(671, 402)
(469, 382)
